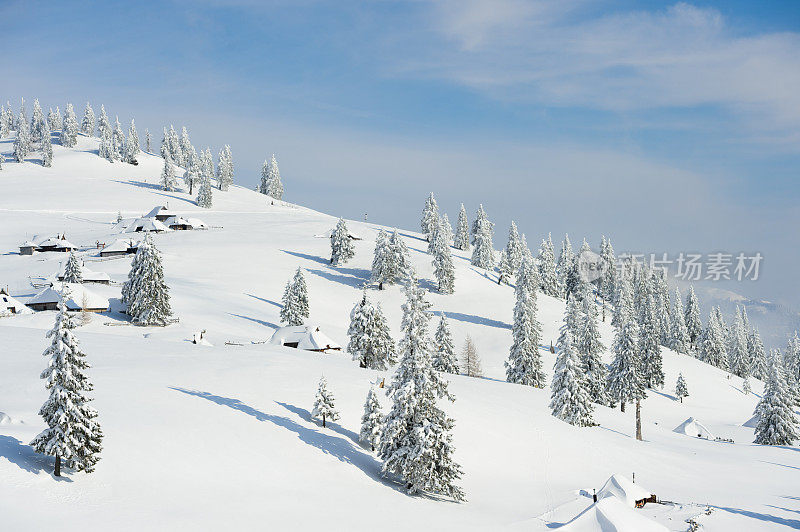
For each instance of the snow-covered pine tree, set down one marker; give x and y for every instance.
(295, 300)
(371, 420)
(625, 382)
(205, 193)
(22, 143)
(588, 344)
(146, 292)
(186, 147)
(759, 368)
(37, 120)
(54, 120)
(430, 216)
(524, 364)
(680, 334)
(324, 407)
(681, 389)
(383, 268)
(514, 247)
(104, 150)
(342, 248)
(370, 343)
(263, 185)
(649, 347)
(88, 121)
(504, 268)
(274, 184)
(573, 281)
(461, 239)
(483, 253)
(693, 325)
(103, 125)
(73, 271)
(174, 145)
(470, 360)
(148, 141)
(118, 140)
(444, 356)
(570, 400)
(660, 292)
(69, 133)
(192, 173)
(73, 433)
(713, 349)
(47, 145)
(225, 168)
(168, 181)
(777, 423)
(416, 442)
(738, 353)
(746, 386)
(443, 267)
(5, 129)
(566, 261)
(446, 230)
(791, 360)
(547, 268)
(132, 146)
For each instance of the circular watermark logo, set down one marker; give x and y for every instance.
(590, 266)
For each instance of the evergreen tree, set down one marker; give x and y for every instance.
(324, 407)
(482, 230)
(186, 147)
(205, 194)
(370, 343)
(777, 423)
(54, 120)
(649, 347)
(192, 173)
(383, 268)
(271, 184)
(588, 344)
(174, 145)
(693, 325)
(342, 248)
(430, 216)
(145, 292)
(608, 279)
(168, 182)
(660, 292)
(681, 390)
(416, 442)
(566, 261)
(759, 369)
(443, 267)
(547, 268)
(444, 357)
(105, 151)
(514, 247)
(713, 348)
(791, 358)
(37, 121)
(69, 133)
(118, 140)
(295, 300)
(47, 146)
(570, 398)
(625, 382)
(738, 353)
(5, 128)
(225, 168)
(504, 268)
(148, 141)
(746, 386)
(103, 125)
(680, 334)
(132, 146)
(470, 360)
(461, 240)
(87, 124)
(73, 271)
(524, 365)
(73, 433)
(445, 230)
(371, 420)
(22, 144)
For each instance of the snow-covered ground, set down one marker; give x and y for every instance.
(205, 437)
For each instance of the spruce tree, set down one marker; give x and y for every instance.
(608, 279)
(444, 356)
(148, 141)
(342, 248)
(416, 442)
(430, 216)
(225, 168)
(547, 268)
(103, 125)
(174, 145)
(73, 271)
(588, 344)
(713, 349)
(570, 400)
(461, 239)
(192, 173)
(186, 147)
(69, 134)
(295, 300)
(681, 390)
(324, 407)
(205, 193)
(566, 262)
(274, 185)
(383, 268)
(37, 121)
(738, 352)
(680, 334)
(625, 382)
(73, 433)
(446, 230)
(370, 342)
(371, 420)
(145, 292)
(524, 364)
(443, 267)
(47, 145)
(504, 268)
(118, 140)
(132, 146)
(105, 150)
(760, 368)
(87, 124)
(650, 348)
(514, 249)
(168, 181)
(22, 143)
(483, 252)
(777, 422)
(693, 326)
(54, 120)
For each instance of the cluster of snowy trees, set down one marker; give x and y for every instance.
(295, 300)
(271, 184)
(145, 294)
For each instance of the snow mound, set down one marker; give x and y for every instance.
(612, 515)
(623, 489)
(751, 423)
(692, 427)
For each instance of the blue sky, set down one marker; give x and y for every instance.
(667, 126)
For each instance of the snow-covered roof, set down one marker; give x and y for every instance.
(57, 242)
(752, 422)
(146, 225)
(176, 220)
(87, 274)
(308, 337)
(27, 244)
(79, 297)
(120, 244)
(692, 427)
(197, 223)
(158, 211)
(612, 514)
(623, 489)
(11, 304)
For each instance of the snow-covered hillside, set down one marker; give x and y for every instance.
(205, 437)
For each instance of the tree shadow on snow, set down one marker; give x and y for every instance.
(781, 465)
(791, 523)
(266, 300)
(471, 318)
(256, 320)
(313, 258)
(24, 457)
(662, 394)
(340, 448)
(305, 415)
(346, 277)
(407, 235)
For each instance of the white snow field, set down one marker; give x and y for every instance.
(210, 437)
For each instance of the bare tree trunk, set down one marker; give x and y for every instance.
(57, 471)
(638, 420)
(323, 420)
(622, 406)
